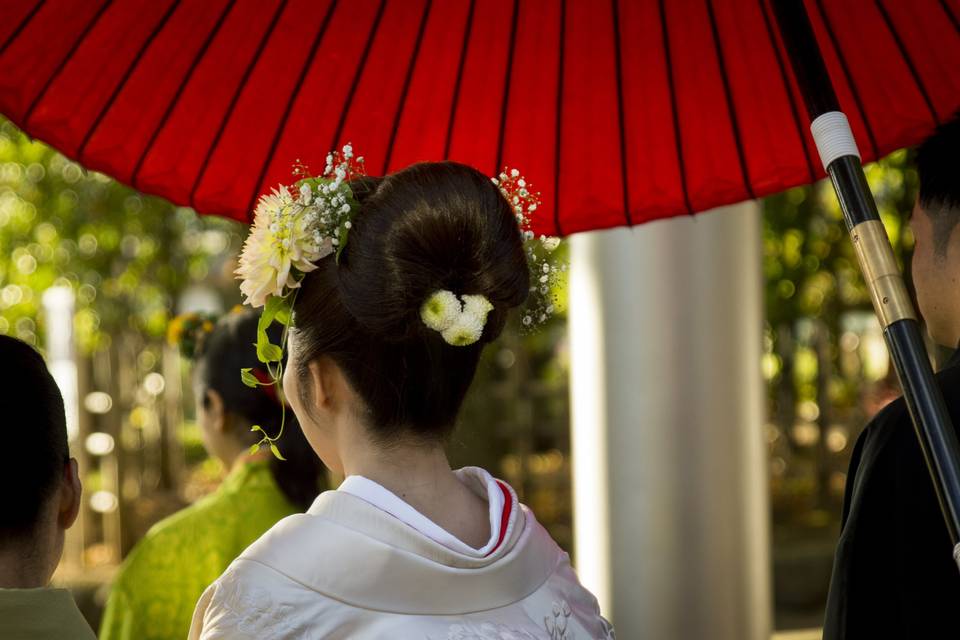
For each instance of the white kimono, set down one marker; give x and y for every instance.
(363, 564)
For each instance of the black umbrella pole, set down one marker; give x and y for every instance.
(841, 159)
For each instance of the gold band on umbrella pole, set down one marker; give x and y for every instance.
(880, 270)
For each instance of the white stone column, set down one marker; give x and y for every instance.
(670, 481)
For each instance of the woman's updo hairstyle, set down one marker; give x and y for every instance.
(428, 227)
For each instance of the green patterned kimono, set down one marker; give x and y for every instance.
(161, 580)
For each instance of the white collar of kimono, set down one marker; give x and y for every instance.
(478, 480)
(354, 552)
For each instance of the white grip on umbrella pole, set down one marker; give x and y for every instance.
(956, 554)
(831, 131)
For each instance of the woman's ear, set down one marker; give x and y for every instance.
(330, 390)
(213, 406)
(321, 383)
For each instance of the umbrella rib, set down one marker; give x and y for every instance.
(846, 72)
(559, 123)
(126, 76)
(906, 58)
(790, 96)
(468, 32)
(950, 15)
(20, 27)
(728, 94)
(357, 75)
(278, 133)
(63, 63)
(504, 106)
(406, 85)
(673, 106)
(620, 112)
(228, 7)
(233, 101)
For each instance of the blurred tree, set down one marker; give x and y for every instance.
(126, 256)
(813, 283)
(826, 366)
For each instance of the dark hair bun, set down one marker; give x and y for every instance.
(436, 225)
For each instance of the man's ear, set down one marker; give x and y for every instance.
(213, 406)
(71, 493)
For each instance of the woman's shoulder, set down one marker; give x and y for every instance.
(257, 597)
(250, 600)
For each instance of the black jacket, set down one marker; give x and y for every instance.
(894, 575)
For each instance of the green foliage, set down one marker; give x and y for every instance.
(248, 378)
(823, 352)
(809, 266)
(127, 256)
(276, 308)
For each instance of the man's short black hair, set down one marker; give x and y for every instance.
(938, 165)
(33, 429)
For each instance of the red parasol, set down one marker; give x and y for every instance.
(619, 112)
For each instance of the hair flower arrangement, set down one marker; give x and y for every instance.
(547, 268)
(293, 228)
(296, 226)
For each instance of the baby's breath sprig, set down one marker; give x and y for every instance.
(547, 269)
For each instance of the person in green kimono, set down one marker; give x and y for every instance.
(160, 581)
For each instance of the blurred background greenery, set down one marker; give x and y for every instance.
(133, 261)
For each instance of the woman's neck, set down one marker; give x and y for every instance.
(419, 473)
(408, 470)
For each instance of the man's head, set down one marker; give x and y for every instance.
(936, 258)
(42, 489)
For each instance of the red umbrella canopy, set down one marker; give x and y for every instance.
(618, 111)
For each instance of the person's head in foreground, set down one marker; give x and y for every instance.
(384, 344)
(42, 486)
(936, 258)
(41, 500)
(227, 409)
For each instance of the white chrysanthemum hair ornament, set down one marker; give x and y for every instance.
(297, 226)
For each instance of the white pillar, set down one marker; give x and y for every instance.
(670, 481)
(59, 303)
